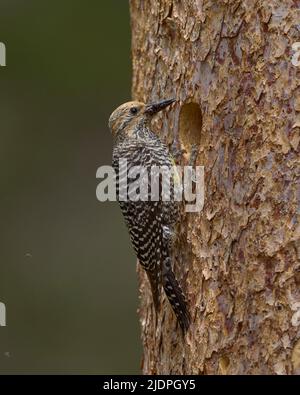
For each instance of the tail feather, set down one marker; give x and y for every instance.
(175, 295)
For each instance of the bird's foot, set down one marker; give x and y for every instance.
(177, 152)
(193, 155)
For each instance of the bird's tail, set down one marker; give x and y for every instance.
(175, 295)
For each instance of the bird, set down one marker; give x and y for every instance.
(151, 224)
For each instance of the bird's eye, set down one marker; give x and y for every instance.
(133, 110)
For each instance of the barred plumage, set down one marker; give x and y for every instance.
(151, 223)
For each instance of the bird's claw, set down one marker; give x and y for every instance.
(177, 152)
(193, 154)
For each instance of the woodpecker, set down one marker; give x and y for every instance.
(151, 224)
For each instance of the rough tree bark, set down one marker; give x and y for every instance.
(229, 64)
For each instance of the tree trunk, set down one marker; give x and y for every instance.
(232, 67)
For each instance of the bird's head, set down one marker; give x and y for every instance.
(134, 113)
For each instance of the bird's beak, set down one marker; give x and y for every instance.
(153, 108)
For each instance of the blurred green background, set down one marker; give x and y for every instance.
(67, 270)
